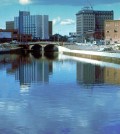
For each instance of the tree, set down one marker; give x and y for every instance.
(58, 37)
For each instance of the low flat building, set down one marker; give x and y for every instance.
(13, 35)
(24, 37)
(112, 31)
(8, 35)
(9, 25)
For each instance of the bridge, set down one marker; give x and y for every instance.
(41, 46)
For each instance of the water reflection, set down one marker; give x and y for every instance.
(28, 70)
(37, 55)
(90, 74)
(51, 55)
(35, 71)
(41, 96)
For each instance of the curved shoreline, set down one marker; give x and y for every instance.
(107, 56)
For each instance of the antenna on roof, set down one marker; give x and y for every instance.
(90, 4)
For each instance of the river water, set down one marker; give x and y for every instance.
(60, 95)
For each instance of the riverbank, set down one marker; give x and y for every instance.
(91, 52)
(9, 48)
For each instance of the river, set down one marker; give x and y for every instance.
(58, 95)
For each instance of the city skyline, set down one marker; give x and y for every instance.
(62, 13)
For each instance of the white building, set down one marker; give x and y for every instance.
(85, 21)
(37, 25)
(89, 21)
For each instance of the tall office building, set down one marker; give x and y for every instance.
(89, 22)
(22, 16)
(37, 25)
(45, 27)
(101, 17)
(50, 28)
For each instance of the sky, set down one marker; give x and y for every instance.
(61, 12)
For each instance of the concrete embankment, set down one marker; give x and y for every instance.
(113, 57)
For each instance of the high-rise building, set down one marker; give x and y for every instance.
(36, 25)
(45, 27)
(22, 16)
(9, 25)
(89, 22)
(50, 28)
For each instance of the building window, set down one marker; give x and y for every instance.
(115, 31)
(107, 25)
(116, 36)
(116, 24)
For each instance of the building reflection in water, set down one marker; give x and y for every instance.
(112, 75)
(90, 74)
(34, 72)
(26, 70)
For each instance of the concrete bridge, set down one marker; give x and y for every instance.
(41, 46)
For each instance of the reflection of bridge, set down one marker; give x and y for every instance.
(41, 46)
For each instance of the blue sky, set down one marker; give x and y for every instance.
(62, 12)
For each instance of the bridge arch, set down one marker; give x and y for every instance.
(36, 47)
(50, 48)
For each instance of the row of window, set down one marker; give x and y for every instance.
(115, 25)
(115, 36)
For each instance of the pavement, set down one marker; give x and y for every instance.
(83, 47)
